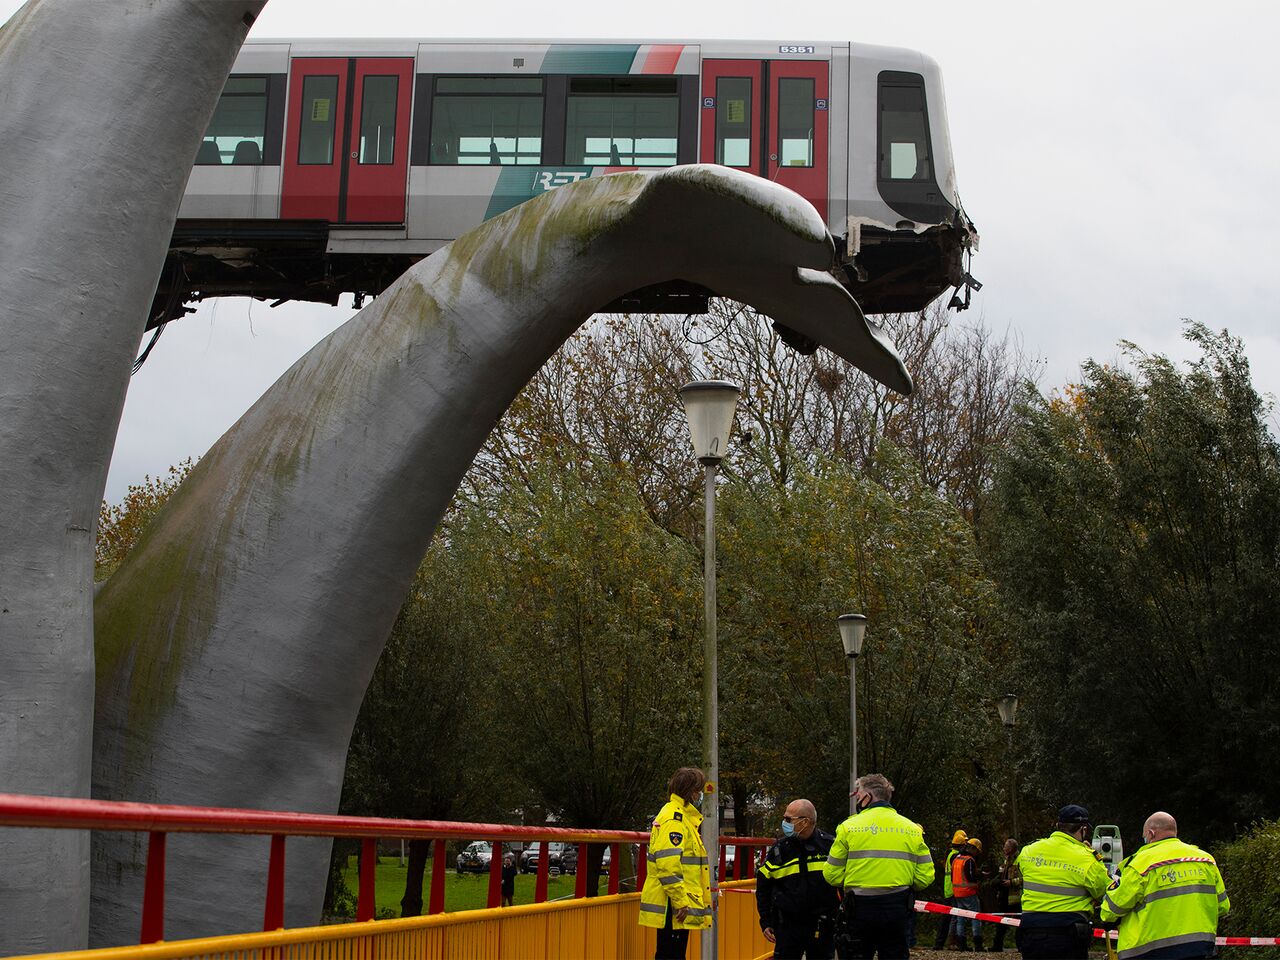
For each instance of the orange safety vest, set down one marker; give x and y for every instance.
(959, 885)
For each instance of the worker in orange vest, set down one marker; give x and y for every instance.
(964, 887)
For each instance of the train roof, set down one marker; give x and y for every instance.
(771, 49)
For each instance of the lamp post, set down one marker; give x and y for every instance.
(709, 406)
(853, 629)
(1007, 706)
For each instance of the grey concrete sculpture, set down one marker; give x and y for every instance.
(236, 641)
(102, 106)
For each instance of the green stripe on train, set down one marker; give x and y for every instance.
(612, 58)
(518, 184)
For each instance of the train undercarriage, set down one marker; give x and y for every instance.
(278, 261)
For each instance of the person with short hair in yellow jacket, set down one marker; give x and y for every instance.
(879, 859)
(1062, 881)
(677, 888)
(1168, 897)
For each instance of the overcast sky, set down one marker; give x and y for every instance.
(1118, 158)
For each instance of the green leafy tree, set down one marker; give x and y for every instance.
(834, 541)
(418, 750)
(592, 612)
(1136, 539)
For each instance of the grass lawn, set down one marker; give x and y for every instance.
(467, 891)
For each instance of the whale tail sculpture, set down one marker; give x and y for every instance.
(235, 643)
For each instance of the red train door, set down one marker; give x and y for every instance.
(347, 140)
(769, 117)
(798, 127)
(731, 114)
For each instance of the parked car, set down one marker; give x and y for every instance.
(607, 861)
(475, 858)
(561, 857)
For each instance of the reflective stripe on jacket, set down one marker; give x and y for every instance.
(1168, 893)
(878, 851)
(789, 884)
(678, 872)
(962, 882)
(1061, 875)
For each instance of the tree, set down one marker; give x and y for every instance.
(834, 541)
(120, 525)
(1136, 539)
(794, 408)
(592, 614)
(802, 407)
(418, 750)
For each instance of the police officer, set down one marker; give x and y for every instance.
(1062, 880)
(879, 858)
(677, 888)
(1168, 897)
(797, 906)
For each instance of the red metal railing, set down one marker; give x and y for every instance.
(158, 820)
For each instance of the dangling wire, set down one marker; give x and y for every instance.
(171, 304)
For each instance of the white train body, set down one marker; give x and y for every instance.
(332, 165)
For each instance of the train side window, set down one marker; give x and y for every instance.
(487, 120)
(239, 126)
(319, 117)
(378, 119)
(733, 121)
(622, 122)
(795, 121)
(904, 138)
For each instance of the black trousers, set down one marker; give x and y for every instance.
(1068, 942)
(672, 943)
(812, 937)
(874, 926)
(1002, 930)
(944, 925)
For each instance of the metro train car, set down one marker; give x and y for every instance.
(331, 166)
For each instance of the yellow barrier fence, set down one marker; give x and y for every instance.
(596, 928)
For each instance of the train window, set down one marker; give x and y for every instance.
(904, 143)
(487, 120)
(622, 121)
(795, 121)
(319, 116)
(733, 121)
(378, 119)
(239, 125)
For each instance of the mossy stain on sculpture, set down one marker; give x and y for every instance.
(511, 250)
(160, 603)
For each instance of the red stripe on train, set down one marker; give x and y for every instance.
(662, 58)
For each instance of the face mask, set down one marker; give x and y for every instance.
(788, 829)
(698, 800)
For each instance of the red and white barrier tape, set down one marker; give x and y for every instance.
(924, 906)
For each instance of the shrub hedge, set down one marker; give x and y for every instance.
(1251, 870)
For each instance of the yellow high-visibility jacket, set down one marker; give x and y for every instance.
(877, 852)
(1168, 893)
(1060, 875)
(947, 889)
(678, 873)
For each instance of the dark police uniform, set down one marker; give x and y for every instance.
(795, 901)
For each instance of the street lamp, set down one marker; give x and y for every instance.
(1007, 707)
(853, 629)
(709, 406)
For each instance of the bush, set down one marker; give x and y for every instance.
(1251, 870)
